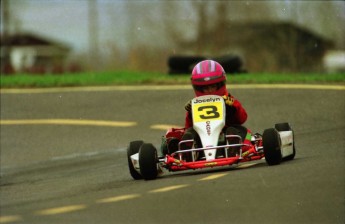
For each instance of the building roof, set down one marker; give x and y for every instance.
(28, 39)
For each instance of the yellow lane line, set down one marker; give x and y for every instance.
(69, 122)
(94, 89)
(169, 188)
(83, 123)
(118, 198)
(164, 126)
(287, 86)
(61, 210)
(73, 208)
(10, 218)
(245, 165)
(214, 176)
(167, 87)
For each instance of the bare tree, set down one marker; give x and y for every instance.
(93, 35)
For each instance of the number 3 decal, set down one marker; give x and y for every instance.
(210, 111)
(207, 111)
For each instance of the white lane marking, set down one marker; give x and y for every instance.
(68, 122)
(61, 210)
(118, 198)
(214, 176)
(169, 188)
(10, 218)
(166, 87)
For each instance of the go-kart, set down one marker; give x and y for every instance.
(216, 148)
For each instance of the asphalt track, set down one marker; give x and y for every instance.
(63, 158)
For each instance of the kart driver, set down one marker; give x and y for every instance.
(209, 78)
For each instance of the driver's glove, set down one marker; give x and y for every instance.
(229, 100)
(188, 106)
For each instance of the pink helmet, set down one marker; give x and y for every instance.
(209, 72)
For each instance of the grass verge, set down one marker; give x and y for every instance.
(136, 78)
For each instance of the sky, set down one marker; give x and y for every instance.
(67, 21)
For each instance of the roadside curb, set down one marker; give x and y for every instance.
(165, 88)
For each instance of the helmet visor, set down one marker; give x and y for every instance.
(207, 79)
(209, 88)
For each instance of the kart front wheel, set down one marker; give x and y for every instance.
(132, 149)
(148, 161)
(287, 127)
(272, 146)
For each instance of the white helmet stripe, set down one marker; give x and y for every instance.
(199, 68)
(213, 66)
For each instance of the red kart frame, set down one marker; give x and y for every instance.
(175, 161)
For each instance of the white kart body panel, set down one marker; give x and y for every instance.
(135, 161)
(208, 121)
(286, 138)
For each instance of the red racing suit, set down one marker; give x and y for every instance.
(235, 114)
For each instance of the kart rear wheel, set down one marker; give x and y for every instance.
(287, 127)
(132, 149)
(272, 146)
(148, 161)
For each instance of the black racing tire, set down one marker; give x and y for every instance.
(287, 127)
(148, 161)
(282, 127)
(272, 146)
(132, 149)
(178, 72)
(183, 64)
(232, 64)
